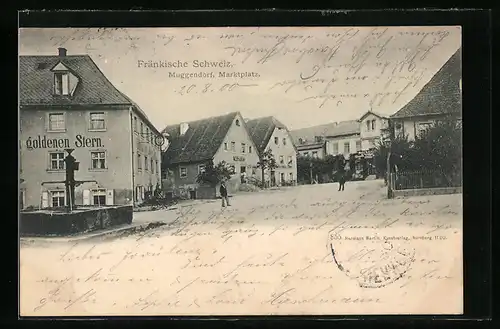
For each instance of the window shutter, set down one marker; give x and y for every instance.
(86, 197)
(45, 199)
(110, 197)
(65, 84)
(73, 82)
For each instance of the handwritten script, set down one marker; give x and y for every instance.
(390, 256)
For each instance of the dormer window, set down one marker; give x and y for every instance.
(61, 81)
(64, 81)
(237, 122)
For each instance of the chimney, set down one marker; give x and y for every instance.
(62, 51)
(183, 128)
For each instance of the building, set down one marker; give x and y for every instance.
(269, 133)
(328, 139)
(440, 98)
(66, 102)
(373, 129)
(192, 144)
(314, 149)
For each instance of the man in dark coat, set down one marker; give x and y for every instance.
(223, 194)
(341, 178)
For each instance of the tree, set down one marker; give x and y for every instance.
(213, 175)
(440, 149)
(266, 162)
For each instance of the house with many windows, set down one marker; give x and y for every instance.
(66, 102)
(269, 133)
(328, 139)
(439, 99)
(193, 144)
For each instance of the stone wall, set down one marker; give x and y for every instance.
(58, 223)
(427, 191)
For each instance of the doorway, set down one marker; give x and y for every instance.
(273, 178)
(192, 194)
(282, 178)
(243, 174)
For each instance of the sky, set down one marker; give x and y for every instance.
(303, 76)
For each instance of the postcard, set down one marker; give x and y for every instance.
(240, 171)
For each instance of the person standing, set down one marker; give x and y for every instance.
(223, 194)
(341, 179)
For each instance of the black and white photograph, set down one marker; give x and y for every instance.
(240, 171)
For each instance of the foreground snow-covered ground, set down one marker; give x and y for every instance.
(297, 250)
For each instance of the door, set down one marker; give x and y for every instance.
(273, 178)
(282, 178)
(243, 174)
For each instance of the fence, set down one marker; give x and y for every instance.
(424, 179)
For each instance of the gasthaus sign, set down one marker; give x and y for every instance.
(80, 141)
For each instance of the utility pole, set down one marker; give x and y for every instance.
(71, 166)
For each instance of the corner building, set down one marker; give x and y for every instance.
(66, 102)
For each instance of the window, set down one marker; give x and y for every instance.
(347, 148)
(56, 160)
(423, 127)
(233, 146)
(368, 125)
(156, 165)
(58, 198)
(284, 141)
(56, 121)
(98, 159)
(146, 163)
(139, 161)
(183, 172)
(61, 83)
(290, 176)
(249, 149)
(99, 197)
(237, 122)
(225, 146)
(301, 141)
(335, 148)
(373, 124)
(318, 139)
(358, 146)
(201, 169)
(152, 166)
(232, 168)
(289, 160)
(282, 160)
(306, 154)
(315, 154)
(243, 147)
(135, 124)
(276, 140)
(142, 129)
(97, 121)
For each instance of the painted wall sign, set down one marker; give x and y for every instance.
(42, 142)
(238, 158)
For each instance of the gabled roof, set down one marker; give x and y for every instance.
(381, 116)
(441, 95)
(200, 142)
(334, 129)
(36, 84)
(261, 130)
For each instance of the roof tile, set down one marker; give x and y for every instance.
(441, 95)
